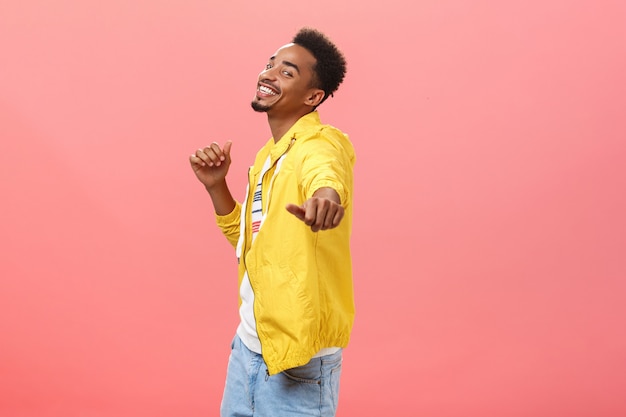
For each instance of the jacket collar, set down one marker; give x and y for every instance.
(305, 123)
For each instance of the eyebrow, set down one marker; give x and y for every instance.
(289, 64)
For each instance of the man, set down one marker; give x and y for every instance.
(291, 236)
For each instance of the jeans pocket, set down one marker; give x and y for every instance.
(333, 382)
(311, 373)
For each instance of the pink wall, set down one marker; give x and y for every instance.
(489, 235)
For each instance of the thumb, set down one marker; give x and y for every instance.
(296, 211)
(227, 147)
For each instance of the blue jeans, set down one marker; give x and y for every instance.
(308, 390)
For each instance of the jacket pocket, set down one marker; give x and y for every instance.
(285, 309)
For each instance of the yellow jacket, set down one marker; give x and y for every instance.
(302, 280)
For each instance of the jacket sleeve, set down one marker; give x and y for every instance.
(229, 224)
(327, 161)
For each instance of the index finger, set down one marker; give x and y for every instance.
(214, 148)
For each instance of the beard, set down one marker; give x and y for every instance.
(258, 107)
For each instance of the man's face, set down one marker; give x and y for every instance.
(285, 86)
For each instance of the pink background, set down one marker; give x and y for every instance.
(489, 234)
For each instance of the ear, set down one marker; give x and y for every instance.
(315, 97)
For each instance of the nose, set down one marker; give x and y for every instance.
(268, 74)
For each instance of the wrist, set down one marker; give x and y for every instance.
(223, 201)
(216, 187)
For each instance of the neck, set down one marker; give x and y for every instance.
(279, 125)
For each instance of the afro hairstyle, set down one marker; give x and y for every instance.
(330, 68)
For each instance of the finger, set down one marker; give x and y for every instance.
(200, 157)
(329, 216)
(322, 207)
(195, 162)
(219, 153)
(310, 212)
(212, 155)
(209, 157)
(296, 211)
(338, 216)
(227, 147)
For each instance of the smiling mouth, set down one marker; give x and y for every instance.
(267, 90)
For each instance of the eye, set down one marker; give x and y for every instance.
(268, 66)
(287, 73)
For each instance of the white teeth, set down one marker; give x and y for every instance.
(266, 90)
